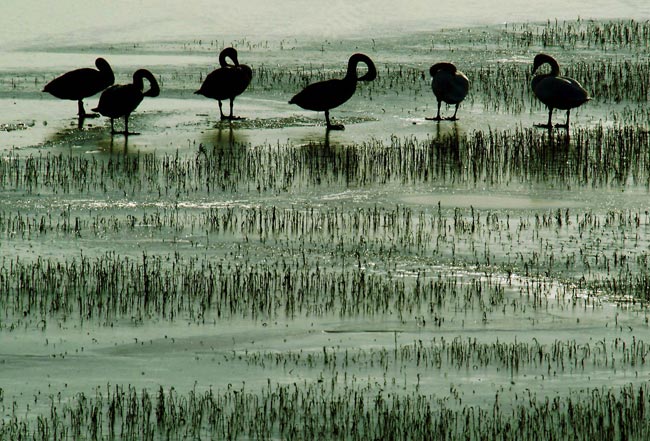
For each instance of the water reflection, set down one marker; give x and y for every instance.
(447, 145)
(497, 160)
(223, 136)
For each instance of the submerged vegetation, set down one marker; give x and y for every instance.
(468, 283)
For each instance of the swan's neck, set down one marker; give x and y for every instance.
(138, 82)
(555, 68)
(354, 61)
(223, 59)
(351, 74)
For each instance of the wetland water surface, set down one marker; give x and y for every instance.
(400, 279)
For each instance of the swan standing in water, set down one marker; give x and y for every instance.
(326, 95)
(120, 100)
(555, 91)
(449, 85)
(82, 83)
(227, 82)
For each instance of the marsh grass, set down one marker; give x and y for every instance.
(365, 233)
(597, 157)
(282, 247)
(316, 262)
(343, 409)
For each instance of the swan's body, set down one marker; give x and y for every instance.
(227, 82)
(555, 91)
(326, 95)
(82, 83)
(120, 100)
(448, 85)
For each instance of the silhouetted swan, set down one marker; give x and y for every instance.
(326, 95)
(82, 83)
(555, 91)
(226, 82)
(122, 99)
(449, 85)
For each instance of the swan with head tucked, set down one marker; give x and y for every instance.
(555, 91)
(326, 95)
(122, 99)
(449, 85)
(227, 82)
(82, 83)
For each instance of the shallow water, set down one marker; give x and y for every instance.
(201, 254)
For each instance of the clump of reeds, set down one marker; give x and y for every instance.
(583, 34)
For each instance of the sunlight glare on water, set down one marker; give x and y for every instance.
(28, 23)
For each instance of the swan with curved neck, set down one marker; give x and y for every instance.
(449, 85)
(555, 91)
(326, 95)
(227, 82)
(120, 100)
(82, 83)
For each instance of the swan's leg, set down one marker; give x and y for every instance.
(231, 117)
(81, 115)
(453, 118)
(112, 127)
(329, 124)
(437, 118)
(221, 110)
(566, 126)
(548, 125)
(82, 112)
(126, 126)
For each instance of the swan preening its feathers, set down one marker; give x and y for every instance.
(555, 91)
(82, 83)
(326, 95)
(448, 85)
(120, 100)
(227, 82)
